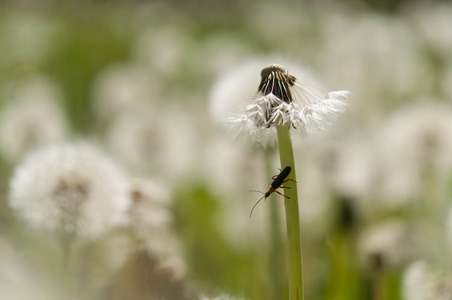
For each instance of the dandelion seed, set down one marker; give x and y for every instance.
(72, 189)
(283, 101)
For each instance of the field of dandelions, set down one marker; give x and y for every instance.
(119, 178)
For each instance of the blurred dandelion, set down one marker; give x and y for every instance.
(389, 242)
(149, 140)
(71, 189)
(394, 49)
(431, 22)
(142, 277)
(163, 49)
(414, 143)
(150, 202)
(424, 281)
(151, 220)
(31, 118)
(122, 85)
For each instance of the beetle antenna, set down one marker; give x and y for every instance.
(256, 204)
(257, 192)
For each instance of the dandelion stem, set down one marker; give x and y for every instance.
(66, 244)
(292, 216)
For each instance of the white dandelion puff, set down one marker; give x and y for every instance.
(70, 189)
(149, 208)
(31, 118)
(282, 101)
(389, 241)
(120, 86)
(149, 140)
(423, 281)
(163, 49)
(413, 140)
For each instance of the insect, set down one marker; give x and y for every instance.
(278, 180)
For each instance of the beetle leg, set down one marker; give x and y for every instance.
(287, 197)
(289, 179)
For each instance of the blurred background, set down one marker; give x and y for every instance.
(136, 79)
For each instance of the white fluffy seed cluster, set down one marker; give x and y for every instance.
(255, 120)
(70, 187)
(262, 115)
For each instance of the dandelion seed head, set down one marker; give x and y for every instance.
(150, 218)
(394, 49)
(143, 277)
(163, 49)
(31, 118)
(416, 138)
(149, 140)
(424, 281)
(122, 85)
(73, 188)
(416, 282)
(282, 99)
(389, 241)
(149, 208)
(432, 23)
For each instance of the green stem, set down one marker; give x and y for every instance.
(292, 216)
(66, 240)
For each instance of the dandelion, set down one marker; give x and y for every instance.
(216, 53)
(276, 110)
(31, 118)
(149, 140)
(431, 23)
(424, 281)
(142, 277)
(163, 49)
(390, 242)
(150, 220)
(71, 189)
(282, 101)
(150, 202)
(122, 85)
(415, 145)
